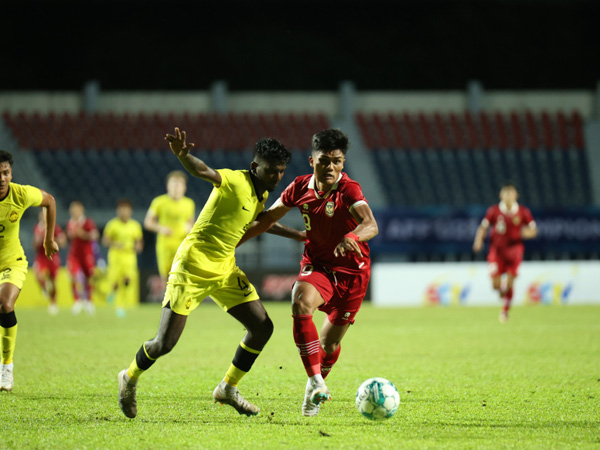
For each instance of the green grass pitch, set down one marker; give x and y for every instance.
(465, 381)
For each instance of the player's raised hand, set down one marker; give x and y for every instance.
(347, 245)
(50, 248)
(178, 143)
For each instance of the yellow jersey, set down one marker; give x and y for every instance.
(229, 211)
(19, 198)
(126, 234)
(175, 214)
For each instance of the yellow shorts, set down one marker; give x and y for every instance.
(118, 273)
(185, 291)
(164, 259)
(14, 273)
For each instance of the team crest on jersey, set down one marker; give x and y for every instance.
(13, 216)
(516, 220)
(329, 208)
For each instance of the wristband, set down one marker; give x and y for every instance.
(352, 236)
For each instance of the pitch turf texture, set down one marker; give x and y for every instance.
(465, 381)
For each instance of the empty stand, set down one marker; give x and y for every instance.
(461, 159)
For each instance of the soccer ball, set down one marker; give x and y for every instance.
(377, 399)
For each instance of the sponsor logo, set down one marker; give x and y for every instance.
(245, 209)
(305, 206)
(346, 316)
(446, 293)
(188, 304)
(548, 292)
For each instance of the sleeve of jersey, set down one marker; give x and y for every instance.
(288, 195)
(32, 196)
(529, 218)
(354, 196)
(489, 216)
(225, 178)
(154, 206)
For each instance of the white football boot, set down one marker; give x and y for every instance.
(127, 395)
(229, 395)
(6, 377)
(314, 395)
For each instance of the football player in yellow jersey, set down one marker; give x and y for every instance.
(14, 200)
(124, 238)
(171, 216)
(205, 266)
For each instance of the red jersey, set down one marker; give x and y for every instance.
(39, 233)
(327, 218)
(506, 224)
(80, 248)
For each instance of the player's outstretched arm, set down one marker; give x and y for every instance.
(49, 204)
(265, 221)
(529, 231)
(479, 237)
(195, 166)
(366, 230)
(282, 230)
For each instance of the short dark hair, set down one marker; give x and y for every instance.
(125, 201)
(6, 157)
(329, 140)
(508, 184)
(272, 150)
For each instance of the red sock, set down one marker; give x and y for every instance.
(306, 338)
(507, 299)
(328, 360)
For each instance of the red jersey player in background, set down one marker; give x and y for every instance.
(45, 268)
(81, 258)
(511, 223)
(335, 266)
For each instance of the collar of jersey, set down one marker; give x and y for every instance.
(513, 210)
(311, 185)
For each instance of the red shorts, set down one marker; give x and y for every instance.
(85, 265)
(506, 260)
(43, 265)
(343, 292)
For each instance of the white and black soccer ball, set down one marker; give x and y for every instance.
(377, 399)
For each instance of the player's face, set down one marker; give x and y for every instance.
(176, 187)
(509, 195)
(76, 210)
(5, 178)
(327, 166)
(269, 173)
(124, 212)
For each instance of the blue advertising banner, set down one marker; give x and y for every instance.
(449, 230)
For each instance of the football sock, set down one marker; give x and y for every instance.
(242, 363)
(507, 299)
(328, 360)
(8, 336)
(306, 338)
(140, 364)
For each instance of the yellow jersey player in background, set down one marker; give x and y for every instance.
(171, 216)
(205, 266)
(124, 238)
(14, 200)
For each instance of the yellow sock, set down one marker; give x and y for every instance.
(134, 371)
(9, 337)
(234, 375)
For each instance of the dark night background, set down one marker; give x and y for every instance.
(307, 45)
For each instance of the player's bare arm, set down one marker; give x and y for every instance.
(151, 224)
(49, 205)
(265, 221)
(282, 230)
(529, 231)
(479, 237)
(195, 166)
(139, 245)
(366, 230)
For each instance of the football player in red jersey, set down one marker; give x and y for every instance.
(45, 268)
(81, 260)
(335, 266)
(511, 223)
